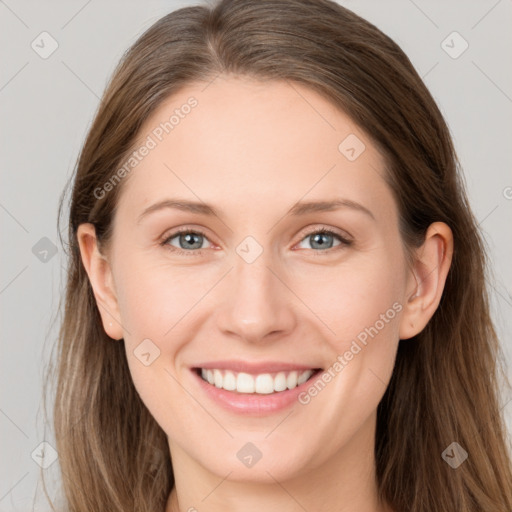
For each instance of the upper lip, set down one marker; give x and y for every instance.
(255, 368)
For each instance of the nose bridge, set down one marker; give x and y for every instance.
(257, 305)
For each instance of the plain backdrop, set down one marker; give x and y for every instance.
(47, 103)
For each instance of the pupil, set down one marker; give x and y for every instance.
(318, 239)
(189, 237)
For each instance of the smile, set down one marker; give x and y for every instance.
(253, 388)
(261, 384)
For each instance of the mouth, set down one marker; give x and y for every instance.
(265, 383)
(253, 388)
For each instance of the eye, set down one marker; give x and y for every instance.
(189, 241)
(322, 239)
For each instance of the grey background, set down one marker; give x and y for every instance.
(47, 105)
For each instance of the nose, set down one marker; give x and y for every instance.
(258, 305)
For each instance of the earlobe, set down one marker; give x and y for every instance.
(427, 279)
(100, 276)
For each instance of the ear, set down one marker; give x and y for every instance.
(100, 276)
(426, 280)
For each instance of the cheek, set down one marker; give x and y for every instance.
(348, 299)
(156, 305)
(154, 298)
(360, 308)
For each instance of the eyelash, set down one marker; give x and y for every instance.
(198, 252)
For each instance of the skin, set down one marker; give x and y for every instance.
(253, 150)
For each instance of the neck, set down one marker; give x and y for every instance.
(345, 482)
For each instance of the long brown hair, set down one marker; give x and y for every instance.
(446, 381)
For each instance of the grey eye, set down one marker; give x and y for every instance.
(322, 240)
(187, 240)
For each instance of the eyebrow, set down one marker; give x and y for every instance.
(300, 208)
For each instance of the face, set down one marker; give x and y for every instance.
(227, 268)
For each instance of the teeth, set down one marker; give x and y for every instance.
(303, 377)
(263, 384)
(280, 381)
(217, 378)
(245, 383)
(291, 380)
(229, 382)
(209, 376)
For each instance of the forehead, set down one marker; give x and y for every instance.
(238, 142)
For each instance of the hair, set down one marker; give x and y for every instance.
(445, 384)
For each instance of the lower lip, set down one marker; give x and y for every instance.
(253, 403)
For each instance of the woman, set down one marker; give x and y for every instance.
(276, 295)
